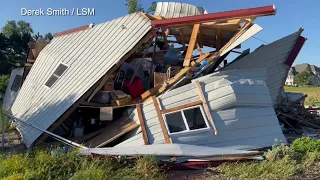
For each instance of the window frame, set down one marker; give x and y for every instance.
(13, 83)
(185, 121)
(58, 77)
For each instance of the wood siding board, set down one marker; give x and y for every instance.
(142, 124)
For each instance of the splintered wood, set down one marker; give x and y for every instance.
(192, 43)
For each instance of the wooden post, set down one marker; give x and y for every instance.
(192, 44)
(163, 126)
(206, 107)
(199, 49)
(142, 125)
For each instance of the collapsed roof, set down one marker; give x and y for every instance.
(75, 65)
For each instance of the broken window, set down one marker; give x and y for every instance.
(186, 120)
(56, 75)
(16, 83)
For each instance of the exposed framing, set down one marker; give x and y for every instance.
(185, 120)
(206, 107)
(191, 46)
(142, 125)
(196, 103)
(160, 117)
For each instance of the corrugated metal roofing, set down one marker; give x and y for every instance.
(272, 57)
(10, 95)
(169, 150)
(240, 105)
(174, 9)
(89, 55)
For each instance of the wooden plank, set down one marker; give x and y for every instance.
(192, 44)
(218, 39)
(181, 107)
(150, 92)
(142, 125)
(110, 72)
(177, 77)
(199, 49)
(206, 107)
(163, 126)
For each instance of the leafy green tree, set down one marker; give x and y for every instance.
(304, 78)
(14, 37)
(152, 8)
(135, 6)
(4, 80)
(48, 36)
(37, 36)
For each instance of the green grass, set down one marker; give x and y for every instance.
(43, 165)
(301, 160)
(312, 92)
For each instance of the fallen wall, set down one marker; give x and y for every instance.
(239, 102)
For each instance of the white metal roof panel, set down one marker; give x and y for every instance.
(89, 55)
(174, 9)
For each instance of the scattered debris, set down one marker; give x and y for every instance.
(145, 82)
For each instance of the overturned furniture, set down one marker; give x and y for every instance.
(96, 84)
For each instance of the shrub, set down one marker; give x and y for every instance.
(280, 152)
(306, 144)
(41, 164)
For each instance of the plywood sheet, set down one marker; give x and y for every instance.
(113, 132)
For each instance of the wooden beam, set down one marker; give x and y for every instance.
(196, 103)
(142, 125)
(191, 46)
(163, 126)
(199, 49)
(206, 107)
(177, 77)
(218, 39)
(106, 77)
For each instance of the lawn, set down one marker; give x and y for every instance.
(312, 92)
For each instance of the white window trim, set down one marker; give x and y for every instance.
(185, 121)
(56, 75)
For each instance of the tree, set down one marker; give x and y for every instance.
(37, 36)
(48, 36)
(4, 80)
(14, 37)
(153, 7)
(304, 78)
(135, 6)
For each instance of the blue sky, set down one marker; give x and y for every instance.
(291, 15)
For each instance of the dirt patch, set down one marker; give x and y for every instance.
(13, 143)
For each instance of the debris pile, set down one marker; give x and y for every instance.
(144, 80)
(296, 117)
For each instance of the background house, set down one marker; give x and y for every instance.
(300, 68)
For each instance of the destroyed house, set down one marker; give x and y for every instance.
(150, 79)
